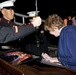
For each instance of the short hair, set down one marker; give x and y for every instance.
(52, 21)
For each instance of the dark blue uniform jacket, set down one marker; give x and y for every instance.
(10, 31)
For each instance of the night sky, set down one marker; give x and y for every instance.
(46, 7)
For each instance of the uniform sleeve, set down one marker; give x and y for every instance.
(70, 48)
(13, 33)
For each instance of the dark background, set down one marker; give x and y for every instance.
(46, 7)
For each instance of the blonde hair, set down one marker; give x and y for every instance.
(53, 21)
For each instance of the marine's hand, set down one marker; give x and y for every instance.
(36, 21)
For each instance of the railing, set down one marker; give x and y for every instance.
(23, 17)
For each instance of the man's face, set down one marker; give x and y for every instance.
(8, 13)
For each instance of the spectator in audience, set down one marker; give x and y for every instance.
(67, 41)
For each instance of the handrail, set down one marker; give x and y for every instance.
(23, 18)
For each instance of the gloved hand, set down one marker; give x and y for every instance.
(36, 21)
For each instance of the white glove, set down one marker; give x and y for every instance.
(36, 21)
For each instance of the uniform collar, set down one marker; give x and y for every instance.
(6, 21)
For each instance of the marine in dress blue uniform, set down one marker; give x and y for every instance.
(9, 31)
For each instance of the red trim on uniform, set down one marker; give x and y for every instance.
(16, 29)
(0, 19)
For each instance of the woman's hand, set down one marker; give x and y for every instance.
(48, 58)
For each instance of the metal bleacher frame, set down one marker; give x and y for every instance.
(21, 16)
